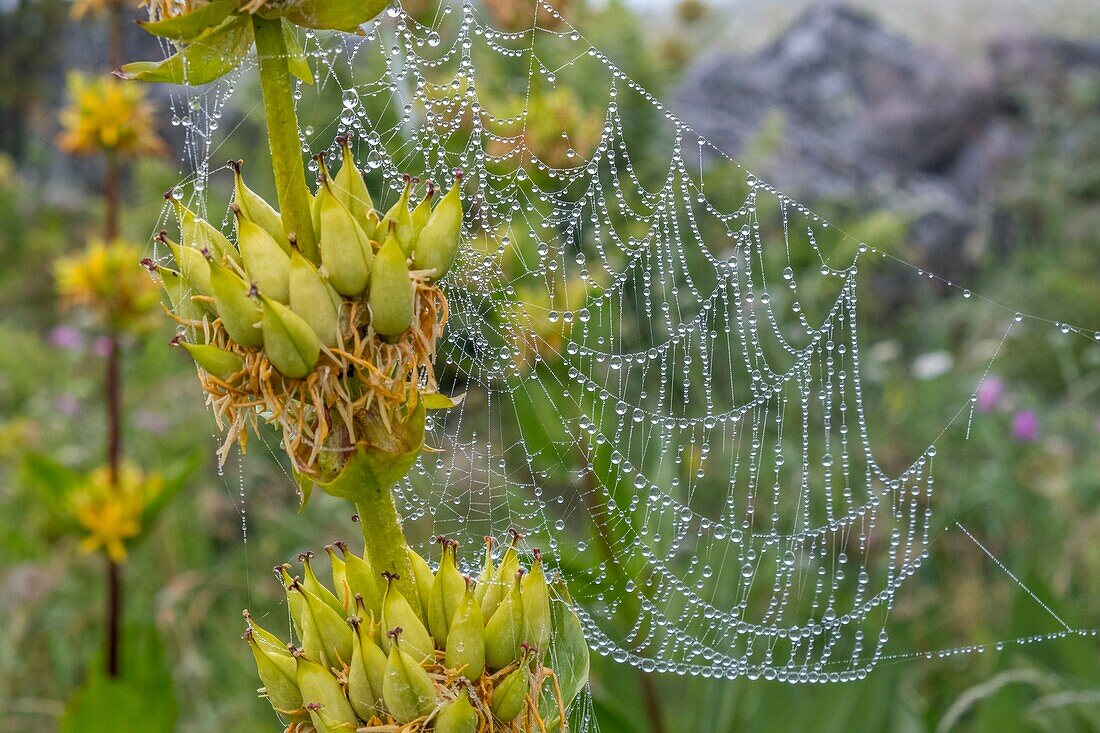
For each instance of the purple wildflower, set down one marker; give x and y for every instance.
(990, 392)
(66, 337)
(1025, 426)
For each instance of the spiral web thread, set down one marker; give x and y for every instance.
(638, 402)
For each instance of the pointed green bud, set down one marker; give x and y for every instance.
(324, 722)
(216, 361)
(396, 612)
(318, 685)
(332, 629)
(504, 630)
(438, 242)
(289, 342)
(447, 592)
(362, 581)
(502, 580)
(177, 292)
(349, 187)
(424, 580)
(339, 576)
(239, 311)
(488, 572)
(278, 672)
(510, 695)
(299, 615)
(201, 234)
(191, 263)
(423, 210)
(368, 671)
(256, 210)
(391, 291)
(266, 639)
(536, 607)
(407, 689)
(465, 647)
(457, 716)
(314, 586)
(314, 299)
(399, 219)
(373, 226)
(265, 262)
(346, 252)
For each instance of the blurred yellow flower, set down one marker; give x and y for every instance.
(82, 8)
(107, 115)
(111, 513)
(105, 280)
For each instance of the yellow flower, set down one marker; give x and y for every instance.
(82, 8)
(110, 513)
(106, 280)
(107, 115)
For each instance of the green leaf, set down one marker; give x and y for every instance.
(191, 25)
(380, 459)
(210, 56)
(438, 401)
(568, 657)
(296, 57)
(141, 699)
(52, 483)
(335, 15)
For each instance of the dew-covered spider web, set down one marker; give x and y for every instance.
(661, 357)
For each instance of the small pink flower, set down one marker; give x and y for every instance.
(989, 394)
(1025, 426)
(101, 346)
(67, 405)
(66, 337)
(151, 422)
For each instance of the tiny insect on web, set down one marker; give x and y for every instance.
(677, 418)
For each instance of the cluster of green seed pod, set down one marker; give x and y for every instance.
(458, 657)
(273, 297)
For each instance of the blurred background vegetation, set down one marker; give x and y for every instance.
(963, 137)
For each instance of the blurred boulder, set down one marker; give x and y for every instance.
(839, 108)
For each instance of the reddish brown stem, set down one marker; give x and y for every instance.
(115, 49)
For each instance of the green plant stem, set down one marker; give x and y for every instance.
(384, 540)
(113, 389)
(282, 134)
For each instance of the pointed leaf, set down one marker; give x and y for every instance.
(190, 26)
(210, 56)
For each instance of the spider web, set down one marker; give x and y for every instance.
(660, 359)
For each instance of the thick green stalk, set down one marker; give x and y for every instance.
(384, 540)
(282, 134)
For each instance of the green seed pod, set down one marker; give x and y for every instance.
(422, 574)
(458, 716)
(271, 643)
(200, 234)
(256, 210)
(191, 262)
(349, 187)
(373, 226)
(465, 648)
(339, 576)
(314, 586)
(332, 630)
(177, 292)
(318, 685)
(488, 572)
(299, 615)
(399, 219)
(216, 361)
(407, 689)
(362, 582)
(391, 291)
(363, 692)
(265, 262)
(423, 210)
(346, 252)
(438, 242)
(324, 722)
(278, 672)
(289, 342)
(314, 299)
(536, 608)
(446, 594)
(504, 631)
(239, 311)
(510, 695)
(396, 612)
(506, 572)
